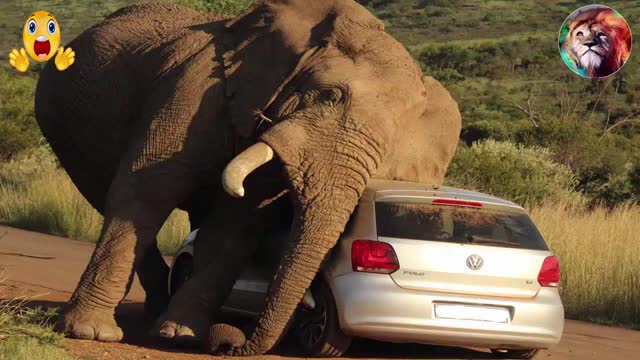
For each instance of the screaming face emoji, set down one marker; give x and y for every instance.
(41, 35)
(41, 38)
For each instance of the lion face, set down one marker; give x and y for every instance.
(598, 41)
(591, 45)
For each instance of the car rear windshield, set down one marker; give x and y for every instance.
(456, 224)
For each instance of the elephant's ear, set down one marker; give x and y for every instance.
(269, 43)
(261, 58)
(441, 123)
(426, 139)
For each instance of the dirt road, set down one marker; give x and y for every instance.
(47, 268)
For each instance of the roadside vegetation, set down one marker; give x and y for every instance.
(567, 148)
(25, 333)
(38, 195)
(599, 256)
(526, 175)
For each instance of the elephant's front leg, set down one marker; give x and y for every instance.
(128, 233)
(225, 243)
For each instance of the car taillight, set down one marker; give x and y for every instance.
(373, 256)
(454, 202)
(549, 275)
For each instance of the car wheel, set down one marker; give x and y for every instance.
(181, 272)
(318, 330)
(514, 354)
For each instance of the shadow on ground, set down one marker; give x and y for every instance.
(136, 325)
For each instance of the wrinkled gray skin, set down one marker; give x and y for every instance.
(162, 99)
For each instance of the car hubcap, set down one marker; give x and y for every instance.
(313, 323)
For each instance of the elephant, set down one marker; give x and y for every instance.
(295, 102)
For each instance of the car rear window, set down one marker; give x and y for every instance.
(456, 224)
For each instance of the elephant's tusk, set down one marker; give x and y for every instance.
(242, 165)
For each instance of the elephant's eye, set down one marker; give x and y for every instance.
(333, 95)
(290, 105)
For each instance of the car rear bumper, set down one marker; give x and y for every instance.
(373, 306)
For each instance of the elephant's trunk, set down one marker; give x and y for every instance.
(326, 179)
(324, 196)
(315, 231)
(242, 165)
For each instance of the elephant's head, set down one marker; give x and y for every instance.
(337, 101)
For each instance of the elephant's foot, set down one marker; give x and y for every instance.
(89, 325)
(182, 328)
(225, 338)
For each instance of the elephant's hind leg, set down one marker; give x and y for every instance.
(127, 235)
(148, 186)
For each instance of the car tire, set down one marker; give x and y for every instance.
(514, 354)
(181, 272)
(317, 330)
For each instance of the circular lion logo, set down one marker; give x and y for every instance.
(595, 41)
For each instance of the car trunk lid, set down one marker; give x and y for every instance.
(473, 248)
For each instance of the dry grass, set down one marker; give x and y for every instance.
(599, 253)
(36, 195)
(49, 203)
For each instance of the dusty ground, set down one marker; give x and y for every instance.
(46, 269)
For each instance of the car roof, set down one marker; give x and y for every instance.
(381, 188)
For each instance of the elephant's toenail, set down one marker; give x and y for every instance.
(83, 332)
(168, 332)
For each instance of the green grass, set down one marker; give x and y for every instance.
(27, 348)
(25, 333)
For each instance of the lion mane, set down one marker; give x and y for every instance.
(599, 41)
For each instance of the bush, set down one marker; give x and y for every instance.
(491, 129)
(526, 175)
(445, 76)
(580, 146)
(603, 187)
(603, 163)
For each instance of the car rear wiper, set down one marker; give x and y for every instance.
(486, 241)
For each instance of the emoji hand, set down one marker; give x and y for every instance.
(65, 58)
(19, 60)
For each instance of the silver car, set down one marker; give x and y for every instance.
(423, 264)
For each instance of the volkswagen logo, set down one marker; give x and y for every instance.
(475, 262)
